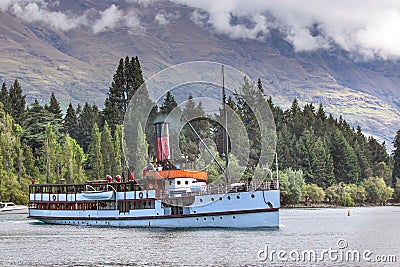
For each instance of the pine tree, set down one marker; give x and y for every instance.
(196, 117)
(71, 122)
(34, 124)
(54, 107)
(4, 97)
(88, 117)
(126, 81)
(396, 158)
(169, 104)
(307, 156)
(17, 102)
(344, 158)
(323, 166)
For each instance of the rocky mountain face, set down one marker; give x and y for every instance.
(78, 63)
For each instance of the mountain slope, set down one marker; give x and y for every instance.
(78, 65)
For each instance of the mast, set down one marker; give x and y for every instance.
(225, 136)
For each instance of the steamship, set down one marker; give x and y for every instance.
(169, 195)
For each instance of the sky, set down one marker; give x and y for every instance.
(369, 28)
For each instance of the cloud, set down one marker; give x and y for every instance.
(109, 19)
(164, 18)
(366, 27)
(36, 11)
(113, 17)
(40, 11)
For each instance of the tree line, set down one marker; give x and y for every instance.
(322, 158)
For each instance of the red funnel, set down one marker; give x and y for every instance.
(162, 141)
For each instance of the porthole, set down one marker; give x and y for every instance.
(253, 196)
(234, 217)
(220, 198)
(220, 218)
(212, 199)
(229, 198)
(194, 211)
(205, 219)
(212, 218)
(178, 182)
(197, 219)
(186, 182)
(238, 197)
(201, 200)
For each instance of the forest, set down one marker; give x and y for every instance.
(322, 159)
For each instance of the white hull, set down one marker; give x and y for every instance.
(244, 220)
(236, 210)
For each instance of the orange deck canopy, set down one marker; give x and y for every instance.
(170, 174)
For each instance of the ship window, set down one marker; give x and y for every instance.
(238, 197)
(205, 219)
(212, 199)
(201, 200)
(186, 182)
(229, 198)
(178, 182)
(220, 198)
(234, 217)
(253, 196)
(220, 218)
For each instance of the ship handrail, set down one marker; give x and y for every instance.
(219, 189)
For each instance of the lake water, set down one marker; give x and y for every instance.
(369, 231)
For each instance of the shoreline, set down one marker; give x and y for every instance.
(331, 206)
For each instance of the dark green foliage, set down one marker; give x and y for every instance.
(108, 151)
(71, 122)
(396, 159)
(344, 158)
(16, 105)
(197, 118)
(96, 165)
(126, 81)
(169, 104)
(87, 118)
(54, 107)
(34, 127)
(4, 97)
(311, 145)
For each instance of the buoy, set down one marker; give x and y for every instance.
(348, 213)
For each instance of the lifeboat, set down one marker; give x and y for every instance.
(97, 195)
